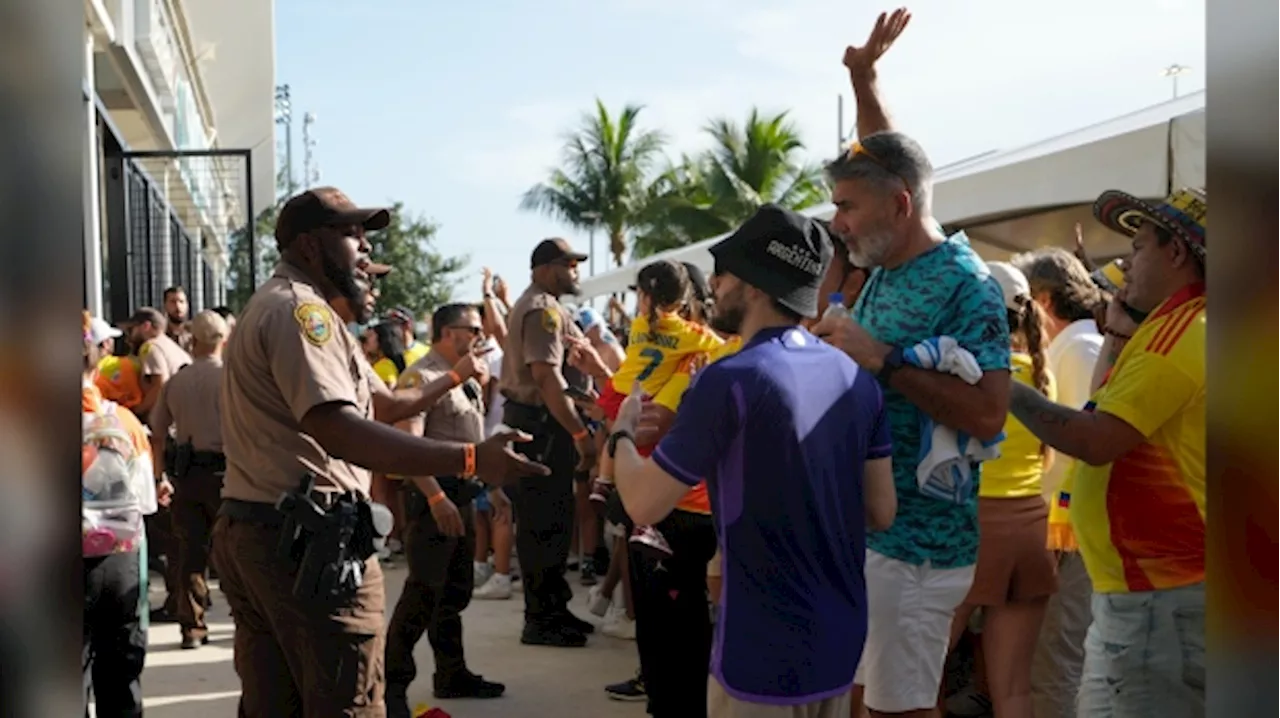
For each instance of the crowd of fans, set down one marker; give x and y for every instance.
(856, 470)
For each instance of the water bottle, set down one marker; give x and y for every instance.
(835, 307)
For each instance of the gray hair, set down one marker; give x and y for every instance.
(1061, 275)
(888, 160)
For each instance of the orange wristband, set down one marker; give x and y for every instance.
(436, 498)
(468, 460)
(457, 379)
(582, 435)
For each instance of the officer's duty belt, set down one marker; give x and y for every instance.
(263, 514)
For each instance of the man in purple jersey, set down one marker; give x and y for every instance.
(791, 437)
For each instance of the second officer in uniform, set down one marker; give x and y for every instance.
(439, 540)
(297, 398)
(539, 334)
(190, 402)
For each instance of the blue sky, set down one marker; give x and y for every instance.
(456, 108)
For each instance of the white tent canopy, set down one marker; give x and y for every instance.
(1021, 199)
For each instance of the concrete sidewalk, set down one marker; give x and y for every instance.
(550, 682)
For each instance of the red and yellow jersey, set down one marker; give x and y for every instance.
(1140, 521)
(696, 500)
(119, 380)
(655, 353)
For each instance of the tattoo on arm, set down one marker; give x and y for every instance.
(1061, 427)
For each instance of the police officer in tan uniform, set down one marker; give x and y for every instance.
(539, 334)
(189, 403)
(297, 395)
(440, 536)
(160, 358)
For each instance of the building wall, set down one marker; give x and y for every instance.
(165, 76)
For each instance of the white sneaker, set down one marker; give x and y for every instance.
(620, 627)
(483, 571)
(597, 602)
(497, 588)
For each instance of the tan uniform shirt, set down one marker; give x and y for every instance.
(191, 402)
(536, 331)
(459, 414)
(162, 357)
(182, 337)
(289, 354)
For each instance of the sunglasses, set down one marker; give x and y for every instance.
(857, 149)
(474, 331)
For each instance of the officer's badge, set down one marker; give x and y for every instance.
(409, 380)
(314, 320)
(550, 320)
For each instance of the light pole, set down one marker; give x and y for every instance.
(1172, 73)
(594, 219)
(284, 116)
(310, 175)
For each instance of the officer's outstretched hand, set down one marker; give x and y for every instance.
(498, 465)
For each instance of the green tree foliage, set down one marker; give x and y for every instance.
(423, 278)
(602, 181)
(747, 166)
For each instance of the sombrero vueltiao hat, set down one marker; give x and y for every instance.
(1110, 276)
(1184, 214)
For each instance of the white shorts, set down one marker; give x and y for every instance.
(909, 613)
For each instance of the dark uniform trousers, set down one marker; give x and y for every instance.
(196, 500)
(673, 619)
(162, 541)
(545, 511)
(441, 576)
(297, 659)
(115, 640)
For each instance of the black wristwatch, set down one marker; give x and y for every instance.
(891, 363)
(612, 443)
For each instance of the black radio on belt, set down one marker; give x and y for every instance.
(329, 544)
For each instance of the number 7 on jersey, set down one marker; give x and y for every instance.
(655, 359)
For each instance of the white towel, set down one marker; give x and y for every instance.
(948, 457)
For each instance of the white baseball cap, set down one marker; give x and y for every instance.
(100, 331)
(1013, 283)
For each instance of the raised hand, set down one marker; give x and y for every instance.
(474, 364)
(862, 60)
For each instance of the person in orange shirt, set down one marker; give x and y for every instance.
(1137, 495)
(115, 638)
(119, 378)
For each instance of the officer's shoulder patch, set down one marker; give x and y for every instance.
(313, 319)
(145, 350)
(551, 320)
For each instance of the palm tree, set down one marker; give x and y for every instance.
(747, 166)
(602, 180)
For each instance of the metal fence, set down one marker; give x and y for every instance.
(151, 199)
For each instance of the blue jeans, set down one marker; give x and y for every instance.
(1144, 655)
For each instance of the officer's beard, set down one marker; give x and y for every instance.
(349, 287)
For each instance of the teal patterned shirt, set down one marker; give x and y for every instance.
(946, 291)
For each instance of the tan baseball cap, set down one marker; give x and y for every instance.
(209, 327)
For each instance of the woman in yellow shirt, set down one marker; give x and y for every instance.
(1016, 573)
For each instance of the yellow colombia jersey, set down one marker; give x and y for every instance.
(1020, 469)
(386, 369)
(654, 353)
(1140, 520)
(671, 393)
